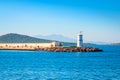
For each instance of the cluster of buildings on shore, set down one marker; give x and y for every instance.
(32, 46)
(29, 46)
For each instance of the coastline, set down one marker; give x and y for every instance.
(59, 49)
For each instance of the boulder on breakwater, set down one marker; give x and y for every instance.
(70, 49)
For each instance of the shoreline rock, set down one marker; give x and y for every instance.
(69, 49)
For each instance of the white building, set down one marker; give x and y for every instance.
(29, 46)
(80, 40)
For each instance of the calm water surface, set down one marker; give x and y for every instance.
(35, 65)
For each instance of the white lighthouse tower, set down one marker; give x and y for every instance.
(80, 40)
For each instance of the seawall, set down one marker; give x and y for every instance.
(69, 49)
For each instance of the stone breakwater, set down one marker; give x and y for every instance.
(69, 49)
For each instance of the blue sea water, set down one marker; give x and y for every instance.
(36, 65)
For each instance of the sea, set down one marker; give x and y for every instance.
(38, 65)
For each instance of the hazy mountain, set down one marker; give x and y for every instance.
(99, 42)
(56, 37)
(66, 39)
(115, 44)
(17, 38)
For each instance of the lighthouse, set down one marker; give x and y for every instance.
(80, 40)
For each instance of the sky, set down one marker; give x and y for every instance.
(99, 20)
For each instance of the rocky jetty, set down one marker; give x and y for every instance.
(69, 49)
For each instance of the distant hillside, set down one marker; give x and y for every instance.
(17, 38)
(115, 43)
(56, 37)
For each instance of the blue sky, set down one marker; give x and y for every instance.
(98, 19)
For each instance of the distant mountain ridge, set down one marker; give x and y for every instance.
(18, 38)
(56, 37)
(99, 42)
(115, 44)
